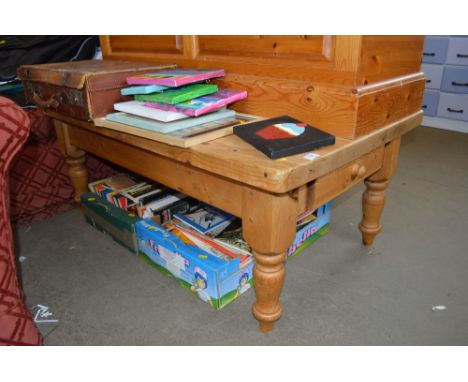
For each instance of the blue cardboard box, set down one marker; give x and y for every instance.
(309, 233)
(215, 281)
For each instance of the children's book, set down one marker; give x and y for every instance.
(139, 108)
(144, 89)
(175, 77)
(206, 219)
(168, 127)
(178, 95)
(202, 105)
(283, 136)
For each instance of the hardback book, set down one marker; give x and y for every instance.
(168, 127)
(173, 96)
(139, 108)
(175, 77)
(283, 136)
(202, 105)
(206, 219)
(143, 89)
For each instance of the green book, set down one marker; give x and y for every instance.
(173, 96)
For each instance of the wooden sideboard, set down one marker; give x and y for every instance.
(346, 85)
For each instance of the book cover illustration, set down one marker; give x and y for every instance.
(139, 108)
(167, 127)
(283, 136)
(143, 89)
(202, 105)
(173, 96)
(206, 219)
(175, 77)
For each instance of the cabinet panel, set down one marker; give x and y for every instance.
(146, 44)
(308, 48)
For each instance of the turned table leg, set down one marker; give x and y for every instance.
(373, 202)
(269, 226)
(373, 199)
(75, 159)
(78, 174)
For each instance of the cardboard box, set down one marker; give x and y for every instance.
(214, 280)
(107, 218)
(305, 236)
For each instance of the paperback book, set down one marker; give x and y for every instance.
(139, 108)
(202, 105)
(206, 219)
(143, 89)
(168, 127)
(173, 96)
(175, 77)
(283, 136)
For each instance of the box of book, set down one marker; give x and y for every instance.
(310, 226)
(215, 272)
(115, 222)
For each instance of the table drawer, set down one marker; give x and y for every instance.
(433, 75)
(453, 106)
(333, 184)
(430, 102)
(455, 79)
(457, 53)
(435, 50)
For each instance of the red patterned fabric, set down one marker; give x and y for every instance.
(16, 324)
(39, 182)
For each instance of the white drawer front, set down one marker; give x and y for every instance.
(433, 75)
(453, 106)
(457, 53)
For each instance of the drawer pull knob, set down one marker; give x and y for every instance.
(459, 83)
(429, 54)
(424, 106)
(428, 81)
(460, 55)
(362, 171)
(357, 170)
(454, 110)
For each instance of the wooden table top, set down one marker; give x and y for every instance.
(235, 159)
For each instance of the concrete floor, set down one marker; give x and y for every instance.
(338, 292)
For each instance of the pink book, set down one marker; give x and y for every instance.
(175, 77)
(202, 105)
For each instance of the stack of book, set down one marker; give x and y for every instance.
(143, 198)
(177, 102)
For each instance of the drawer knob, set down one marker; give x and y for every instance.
(357, 170)
(460, 55)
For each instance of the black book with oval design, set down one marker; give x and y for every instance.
(283, 136)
